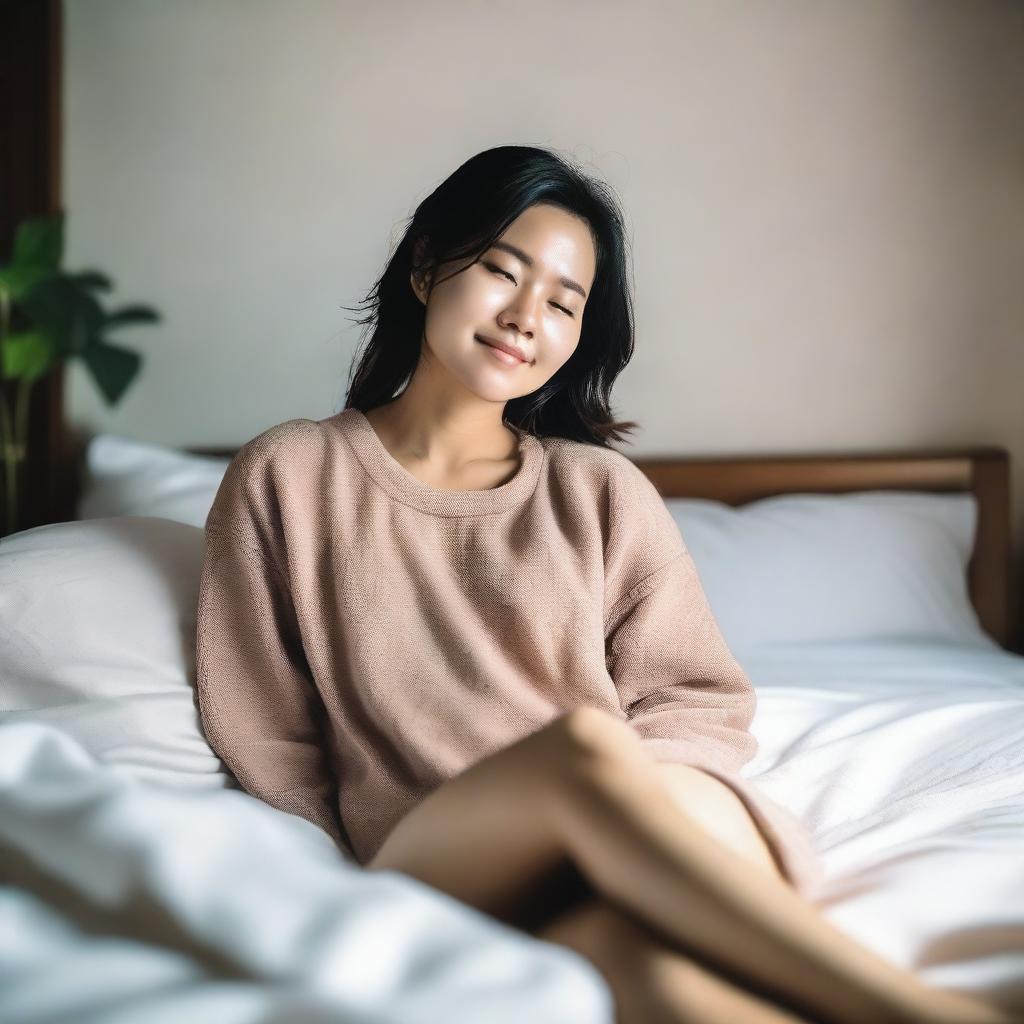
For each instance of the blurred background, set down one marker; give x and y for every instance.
(825, 202)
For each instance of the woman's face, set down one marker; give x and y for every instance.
(529, 298)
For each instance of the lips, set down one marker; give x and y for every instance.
(504, 347)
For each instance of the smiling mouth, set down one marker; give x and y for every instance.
(504, 352)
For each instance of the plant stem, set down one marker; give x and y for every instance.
(13, 436)
(8, 441)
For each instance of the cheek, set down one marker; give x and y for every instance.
(452, 305)
(475, 286)
(560, 350)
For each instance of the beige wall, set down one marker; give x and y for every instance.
(825, 200)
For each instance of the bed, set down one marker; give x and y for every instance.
(867, 596)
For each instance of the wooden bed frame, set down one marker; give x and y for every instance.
(984, 471)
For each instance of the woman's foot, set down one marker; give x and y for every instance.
(944, 1006)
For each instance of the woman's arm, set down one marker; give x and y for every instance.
(260, 708)
(691, 703)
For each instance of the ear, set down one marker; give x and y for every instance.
(420, 278)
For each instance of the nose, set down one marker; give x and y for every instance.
(521, 313)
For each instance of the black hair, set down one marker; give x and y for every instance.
(461, 219)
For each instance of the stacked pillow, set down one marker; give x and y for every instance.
(97, 626)
(809, 568)
(123, 477)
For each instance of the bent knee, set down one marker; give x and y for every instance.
(593, 733)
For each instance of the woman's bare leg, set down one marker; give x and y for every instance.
(651, 981)
(584, 789)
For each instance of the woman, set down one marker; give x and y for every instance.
(452, 624)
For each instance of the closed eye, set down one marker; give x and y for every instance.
(491, 266)
(498, 270)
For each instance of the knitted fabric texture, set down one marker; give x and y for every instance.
(363, 637)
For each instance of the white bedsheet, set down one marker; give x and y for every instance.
(907, 761)
(124, 901)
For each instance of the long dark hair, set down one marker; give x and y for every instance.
(462, 218)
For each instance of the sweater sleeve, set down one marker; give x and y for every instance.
(689, 699)
(260, 709)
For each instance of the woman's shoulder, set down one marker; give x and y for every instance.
(282, 442)
(606, 469)
(279, 462)
(269, 461)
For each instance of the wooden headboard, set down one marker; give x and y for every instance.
(984, 472)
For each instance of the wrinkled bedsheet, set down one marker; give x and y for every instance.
(907, 761)
(126, 901)
(122, 901)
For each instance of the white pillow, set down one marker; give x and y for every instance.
(97, 630)
(124, 477)
(868, 565)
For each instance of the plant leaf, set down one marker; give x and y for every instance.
(93, 279)
(19, 281)
(130, 315)
(67, 312)
(39, 243)
(27, 355)
(112, 367)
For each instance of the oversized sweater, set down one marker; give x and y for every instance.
(363, 637)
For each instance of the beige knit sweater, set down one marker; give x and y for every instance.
(362, 637)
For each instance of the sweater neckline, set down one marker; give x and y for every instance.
(402, 485)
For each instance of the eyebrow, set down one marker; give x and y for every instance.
(566, 282)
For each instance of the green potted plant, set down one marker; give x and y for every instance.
(47, 316)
